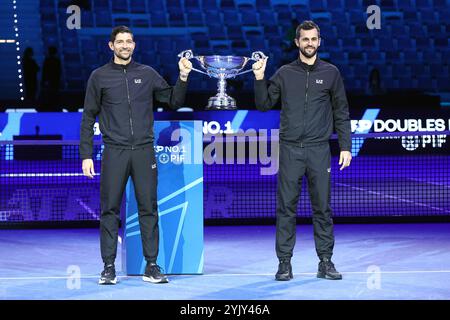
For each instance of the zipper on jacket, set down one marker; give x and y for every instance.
(307, 86)
(306, 104)
(129, 106)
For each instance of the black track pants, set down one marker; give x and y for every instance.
(295, 162)
(117, 166)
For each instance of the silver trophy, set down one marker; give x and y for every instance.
(222, 68)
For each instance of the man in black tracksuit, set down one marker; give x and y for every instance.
(313, 99)
(121, 94)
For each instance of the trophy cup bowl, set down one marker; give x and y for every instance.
(222, 68)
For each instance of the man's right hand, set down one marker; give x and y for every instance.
(88, 168)
(259, 67)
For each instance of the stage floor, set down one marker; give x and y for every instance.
(378, 261)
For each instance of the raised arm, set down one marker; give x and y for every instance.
(267, 93)
(175, 95)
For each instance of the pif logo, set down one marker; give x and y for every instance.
(410, 143)
(174, 154)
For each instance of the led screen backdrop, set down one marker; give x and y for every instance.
(400, 166)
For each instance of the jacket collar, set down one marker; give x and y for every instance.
(121, 66)
(306, 66)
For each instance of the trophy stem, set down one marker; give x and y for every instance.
(221, 101)
(222, 85)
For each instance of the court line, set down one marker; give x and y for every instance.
(87, 208)
(228, 275)
(429, 182)
(314, 273)
(42, 175)
(393, 197)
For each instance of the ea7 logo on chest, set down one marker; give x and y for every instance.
(137, 80)
(319, 81)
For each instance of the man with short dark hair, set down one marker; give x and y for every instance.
(121, 93)
(313, 100)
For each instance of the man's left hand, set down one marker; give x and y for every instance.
(344, 159)
(185, 67)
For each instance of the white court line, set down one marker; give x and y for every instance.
(40, 175)
(314, 273)
(429, 182)
(56, 277)
(87, 208)
(230, 274)
(392, 197)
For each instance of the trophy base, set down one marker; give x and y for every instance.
(224, 102)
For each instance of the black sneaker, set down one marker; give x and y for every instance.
(327, 270)
(153, 274)
(108, 275)
(284, 272)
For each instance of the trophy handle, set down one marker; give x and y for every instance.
(256, 56)
(188, 54)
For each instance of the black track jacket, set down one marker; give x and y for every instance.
(122, 97)
(312, 100)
